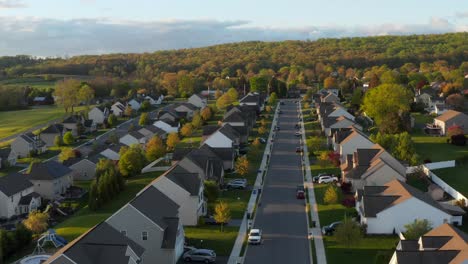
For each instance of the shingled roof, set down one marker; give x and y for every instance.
(14, 183)
(49, 170)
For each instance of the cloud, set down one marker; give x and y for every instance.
(51, 37)
(9, 4)
(462, 14)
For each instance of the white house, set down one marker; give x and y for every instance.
(356, 139)
(331, 123)
(451, 118)
(98, 114)
(198, 101)
(112, 152)
(25, 144)
(387, 209)
(185, 189)
(219, 140)
(51, 179)
(118, 109)
(152, 101)
(167, 125)
(135, 104)
(132, 138)
(7, 157)
(17, 195)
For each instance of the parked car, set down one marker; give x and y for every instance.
(255, 236)
(329, 229)
(243, 150)
(277, 128)
(297, 125)
(298, 134)
(209, 220)
(201, 255)
(262, 140)
(188, 248)
(237, 184)
(298, 150)
(281, 103)
(280, 112)
(327, 179)
(300, 192)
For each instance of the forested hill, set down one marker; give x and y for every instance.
(394, 51)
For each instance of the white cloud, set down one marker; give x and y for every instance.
(8, 4)
(51, 37)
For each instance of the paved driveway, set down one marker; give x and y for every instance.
(281, 216)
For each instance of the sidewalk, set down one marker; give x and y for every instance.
(235, 257)
(316, 231)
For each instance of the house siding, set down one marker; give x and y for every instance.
(97, 116)
(52, 189)
(9, 205)
(166, 127)
(21, 147)
(83, 170)
(219, 140)
(350, 146)
(49, 138)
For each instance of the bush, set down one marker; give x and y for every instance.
(346, 187)
(349, 202)
(458, 140)
(331, 195)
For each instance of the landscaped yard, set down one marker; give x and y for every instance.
(85, 218)
(437, 149)
(213, 238)
(457, 177)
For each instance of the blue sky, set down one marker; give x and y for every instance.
(71, 27)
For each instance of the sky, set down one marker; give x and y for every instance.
(75, 27)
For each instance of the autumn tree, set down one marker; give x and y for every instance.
(273, 99)
(197, 120)
(169, 82)
(145, 106)
(222, 214)
(186, 130)
(66, 154)
(206, 113)
(68, 138)
(66, 92)
(258, 84)
(417, 228)
(218, 94)
(172, 140)
(155, 148)
(457, 101)
(242, 165)
(315, 144)
(132, 160)
(144, 119)
(262, 130)
(233, 94)
(86, 94)
(36, 221)
(111, 120)
(128, 111)
(211, 191)
(330, 82)
(224, 101)
(58, 141)
(331, 195)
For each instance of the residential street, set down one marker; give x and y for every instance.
(282, 217)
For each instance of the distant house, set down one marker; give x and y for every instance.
(253, 99)
(330, 123)
(388, 208)
(112, 152)
(227, 155)
(17, 196)
(451, 118)
(84, 169)
(43, 100)
(151, 100)
(198, 101)
(73, 122)
(330, 98)
(186, 189)
(440, 108)
(150, 131)
(185, 109)
(152, 220)
(101, 244)
(132, 138)
(118, 109)
(99, 114)
(7, 157)
(48, 135)
(28, 143)
(51, 179)
(206, 163)
(169, 113)
(135, 104)
(167, 125)
(443, 244)
(371, 166)
(332, 110)
(354, 140)
(224, 137)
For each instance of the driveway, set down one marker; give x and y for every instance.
(281, 216)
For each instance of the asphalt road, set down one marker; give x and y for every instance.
(282, 217)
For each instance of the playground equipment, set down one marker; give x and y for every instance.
(50, 236)
(37, 259)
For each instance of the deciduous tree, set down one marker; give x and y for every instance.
(222, 214)
(417, 228)
(331, 195)
(155, 148)
(186, 130)
(172, 140)
(86, 94)
(132, 160)
(36, 221)
(68, 138)
(66, 154)
(349, 233)
(144, 119)
(206, 113)
(242, 165)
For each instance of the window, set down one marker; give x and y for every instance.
(144, 235)
(124, 232)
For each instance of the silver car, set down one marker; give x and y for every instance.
(237, 184)
(200, 255)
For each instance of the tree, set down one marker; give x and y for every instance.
(206, 113)
(385, 103)
(222, 214)
(111, 120)
(349, 233)
(172, 140)
(93, 200)
(58, 141)
(128, 111)
(145, 106)
(36, 221)
(456, 100)
(233, 94)
(224, 101)
(66, 92)
(86, 94)
(218, 94)
(268, 109)
(258, 84)
(330, 82)
(315, 144)
(263, 122)
(186, 130)
(144, 119)
(197, 120)
(323, 159)
(68, 138)
(331, 195)
(211, 191)
(273, 99)
(242, 165)
(66, 154)
(417, 228)
(132, 160)
(155, 148)
(262, 130)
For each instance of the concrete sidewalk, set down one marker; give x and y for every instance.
(235, 257)
(316, 231)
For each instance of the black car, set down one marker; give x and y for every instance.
(330, 229)
(315, 179)
(211, 221)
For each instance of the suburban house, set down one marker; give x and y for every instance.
(169, 113)
(451, 118)
(25, 144)
(388, 208)
(118, 109)
(153, 101)
(135, 104)
(84, 169)
(167, 125)
(208, 130)
(204, 162)
(330, 123)
(180, 153)
(332, 110)
(17, 196)
(151, 219)
(253, 99)
(440, 108)
(330, 98)
(51, 179)
(429, 98)
(150, 131)
(443, 244)
(73, 122)
(99, 114)
(371, 166)
(247, 111)
(354, 139)
(224, 137)
(198, 101)
(132, 138)
(185, 109)
(227, 155)
(185, 189)
(48, 135)
(112, 152)
(101, 244)
(7, 157)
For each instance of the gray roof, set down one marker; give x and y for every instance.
(229, 132)
(4, 153)
(170, 233)
(426, 257)
(14, 183)
(250, 98)
(102, 244)
(180, 153)
(241, 130)
(226, 154)
(73, 119)
(49, 170)
(53, 129)
(207, 160)
(341, 134)
(136, 134)
(26, 200)
(210, 129)
(234, 117)
(188, 181)
(155, 205)
(154, 129)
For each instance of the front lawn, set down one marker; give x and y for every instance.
(213, 238)
(437, 149)
(457, 177)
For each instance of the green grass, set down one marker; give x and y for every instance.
(85, 218)
(213, 238)
(34, 82)
(237, 200)
(437, 148)
(18, 121)
(416, 182)
(457, 177)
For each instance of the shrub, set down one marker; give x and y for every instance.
(331, 195)
(458, 140)
(346, 187)
(349, 202)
